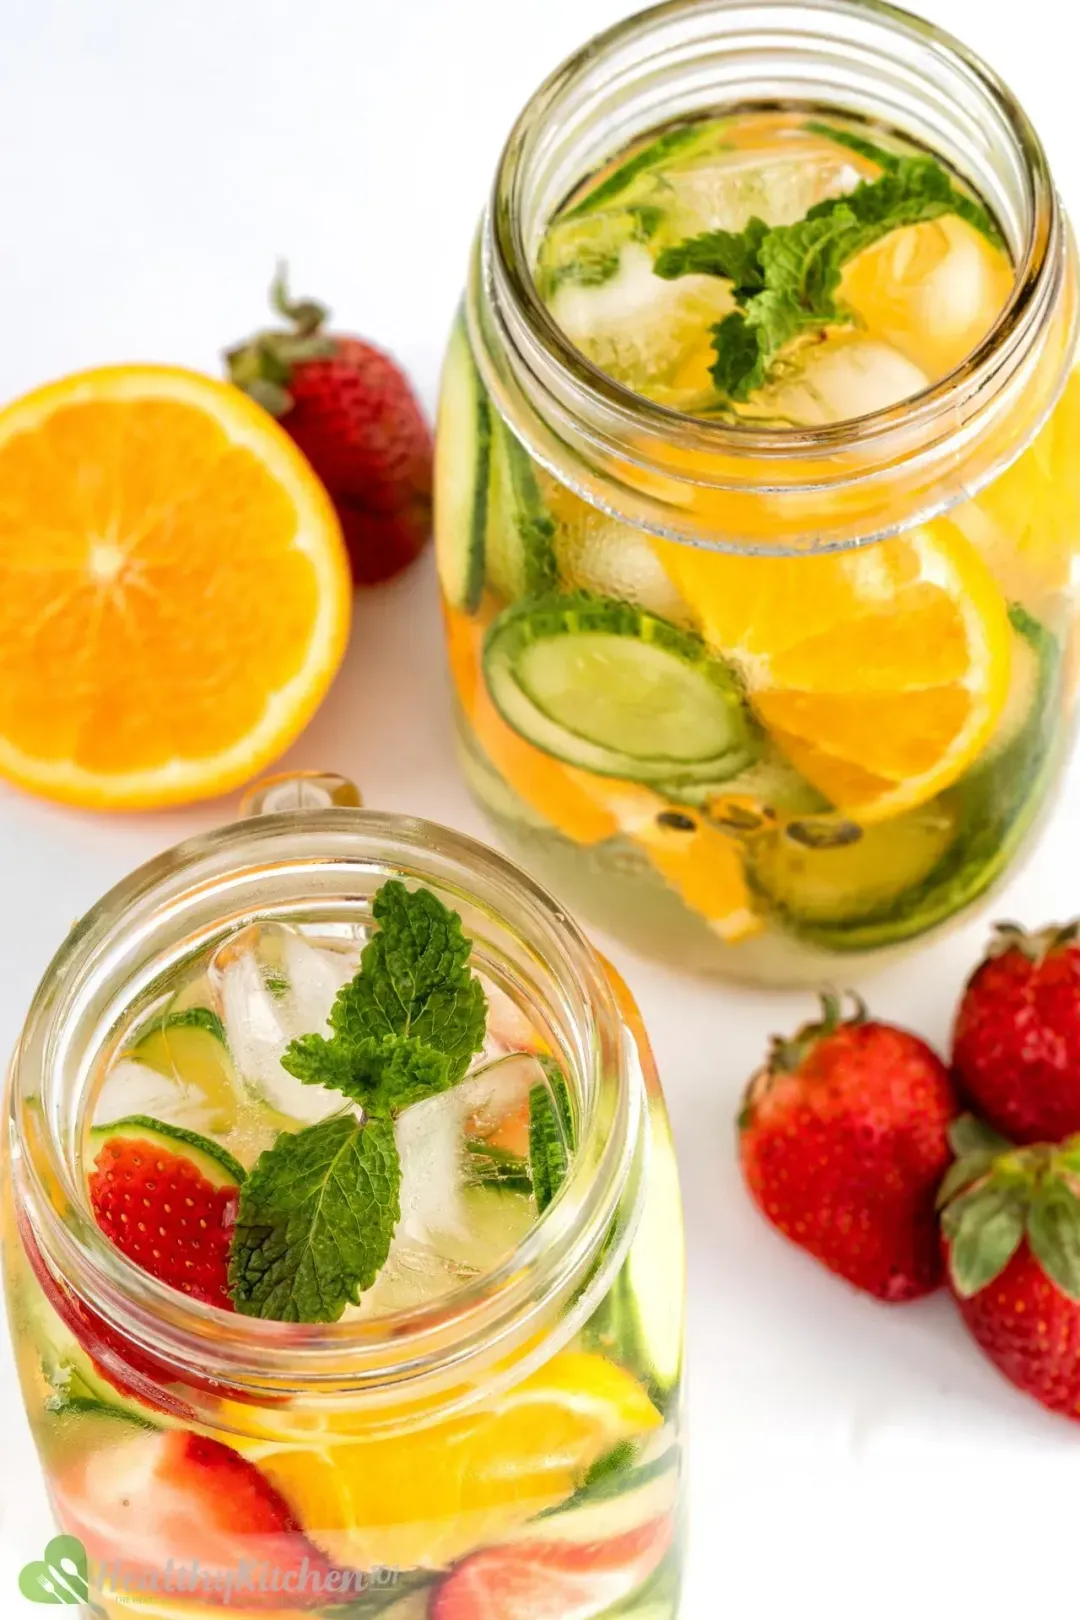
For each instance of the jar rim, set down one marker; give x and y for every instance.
(174, 900)
(507, 269)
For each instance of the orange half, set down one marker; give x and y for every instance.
(174, 589)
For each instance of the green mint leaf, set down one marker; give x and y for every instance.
(1053, 1230)
(383, 1073)
(786, 278)
(415, 980)
(734, 254)
(315, 1220)
(551, 1134)
(411, 1020)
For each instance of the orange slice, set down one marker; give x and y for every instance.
(174, 590)
(880, 672)
(426, 1497)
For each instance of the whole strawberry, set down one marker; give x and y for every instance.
(354, 415)
(844, 1141)
(1016, 1046)
(1011, 1235)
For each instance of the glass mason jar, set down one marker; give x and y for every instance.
(205, 1458)
(890, 594)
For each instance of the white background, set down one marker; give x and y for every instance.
(154, 159)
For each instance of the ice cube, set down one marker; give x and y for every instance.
(650, 334)
(270, 985)
(844, 376)
(597, 553)
(932, 290)
(724, 191)
(508, 1029)
(452, 1227)
(131, 1087)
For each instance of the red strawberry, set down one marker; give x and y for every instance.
(176, 1500)
(1011, 1234)
(552, 1580)
(167, 1198)
(354, 415)
(843, 1140)
(1016, 1047)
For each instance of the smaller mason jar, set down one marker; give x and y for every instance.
(514, 1440)
(772, 689)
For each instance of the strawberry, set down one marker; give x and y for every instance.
(1016, 1046)
(167, 1198)
(355, 417)
(843, 1141)
(173, 1501)
(1011, 1236)
(552, 1580)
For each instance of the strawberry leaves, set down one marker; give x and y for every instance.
(318, 1212)
(995, 1196)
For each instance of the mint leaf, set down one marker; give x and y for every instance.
(315, 1221)
(734, 254)
(318, 1213)
(415, 980)
(383, 1073)
(551, 1134)
(786, 278)
(409, 1023)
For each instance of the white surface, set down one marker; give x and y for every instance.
(154, 160)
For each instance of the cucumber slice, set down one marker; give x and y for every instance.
(681, 141)
(585, 250)
(518, 553)
(618, 691)
(802, 874)
(462, 460)
(209, 1158)
(190, 1049)
(995, 807)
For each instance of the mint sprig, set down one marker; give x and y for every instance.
(785, 278)
(318, 1212)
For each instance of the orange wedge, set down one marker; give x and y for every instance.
(174, 590)
(880, 672)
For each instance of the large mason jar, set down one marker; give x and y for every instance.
(496, 1425)
(758, 489)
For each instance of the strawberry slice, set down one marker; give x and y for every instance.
(171, 1503)
(552, 1580)
(167, 1198)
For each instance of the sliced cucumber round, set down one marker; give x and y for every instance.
(462, 464)
(189, 1048)
(993, 809)
(618, 691)
(209, 1158)
(825, 870)
(519, 557)
(678, 141)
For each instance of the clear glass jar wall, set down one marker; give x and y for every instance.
(768, 685)
(518, 1433)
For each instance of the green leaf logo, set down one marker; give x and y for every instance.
(61, 1576)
